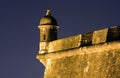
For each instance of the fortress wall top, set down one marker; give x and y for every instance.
(92, 38)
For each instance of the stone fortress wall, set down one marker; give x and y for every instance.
(92, 38)
(90, 55)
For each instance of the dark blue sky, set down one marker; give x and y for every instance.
(19, 35)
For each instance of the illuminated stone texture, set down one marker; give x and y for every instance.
(48, 31)
(64, 44)
(100, 36)
(90, 55)
(98, 61)
(93, 38)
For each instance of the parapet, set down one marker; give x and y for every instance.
(91, 55)
(92, 38)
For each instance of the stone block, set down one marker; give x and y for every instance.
(100, 36)
(86, 39)
(43, 48)
(113, 33)
(64, 44)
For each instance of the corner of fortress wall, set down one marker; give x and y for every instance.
(91, 55)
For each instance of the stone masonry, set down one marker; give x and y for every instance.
(90, 55)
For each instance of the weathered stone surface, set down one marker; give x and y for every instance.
(98, 61)
(100, 36)
(90, 55)
(96, 37)
(70, 42)
(43, 47)
(64, 44)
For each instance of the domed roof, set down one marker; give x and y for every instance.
(48, 19)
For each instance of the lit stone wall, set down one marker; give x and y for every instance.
(90, 55)
(88, 39)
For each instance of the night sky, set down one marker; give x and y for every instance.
(19, 35)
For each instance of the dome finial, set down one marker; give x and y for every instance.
(48, 12)
(48, 19)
